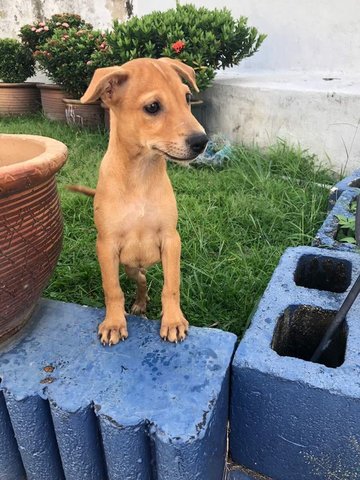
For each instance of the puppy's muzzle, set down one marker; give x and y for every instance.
(197, 142)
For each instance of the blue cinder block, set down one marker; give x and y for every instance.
(141, 410)
(292, 419)
(30, 417)
(11, 466)
(351, 181)
(236, 474)
(326, 236)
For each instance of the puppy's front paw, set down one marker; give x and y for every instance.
(174, 327)
(111, 331)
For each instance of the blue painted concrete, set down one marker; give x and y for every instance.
(239, 475)
(31, 420)
(292, 419)
(325, 237)
(143, 409)
(351, 181)
(11, 467)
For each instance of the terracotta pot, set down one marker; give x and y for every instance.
(30, 224)
(18, 98)
(52, 101)
(89, 115)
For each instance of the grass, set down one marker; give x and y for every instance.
(234, 223)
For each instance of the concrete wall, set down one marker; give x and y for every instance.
(15, 13)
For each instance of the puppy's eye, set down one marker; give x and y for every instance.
(152, 108)
(188, 98)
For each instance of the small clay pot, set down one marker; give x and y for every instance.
(18, 99)
(52, 101)
(30, 224)
(89, 115)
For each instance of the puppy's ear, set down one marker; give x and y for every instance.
(186, 73)
(104, 84)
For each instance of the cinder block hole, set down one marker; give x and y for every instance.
(355, 183)
(323, 273)
(299, 331)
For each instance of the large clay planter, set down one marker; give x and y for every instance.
(18, 99)
(89, 115)
(52, 101)
(30, 224)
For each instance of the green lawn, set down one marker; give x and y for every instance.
(234, 223)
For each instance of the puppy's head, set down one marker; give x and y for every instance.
(151, 105)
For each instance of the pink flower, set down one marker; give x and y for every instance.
(66, 25)
(65, 37)
(38, 30)
(89, 62)
(58, 23)
(41, 24)
(103, 45)
(33, 29)
(46, 28)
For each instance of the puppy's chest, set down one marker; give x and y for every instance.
(140, 216)
(138, 228)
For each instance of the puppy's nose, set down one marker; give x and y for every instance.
(197, 142)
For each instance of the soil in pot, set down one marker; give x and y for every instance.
(89, 115)
(18, 98)
(30, 224)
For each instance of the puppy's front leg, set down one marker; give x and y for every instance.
(113, 328)
(174, 325)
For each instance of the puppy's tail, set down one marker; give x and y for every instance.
(90, 192)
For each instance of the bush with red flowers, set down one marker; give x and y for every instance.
(207, 40)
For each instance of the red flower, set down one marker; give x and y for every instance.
(178, 46)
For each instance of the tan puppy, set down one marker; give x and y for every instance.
(134, 207)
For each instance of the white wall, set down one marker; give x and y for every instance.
(15, 13)
(303, 35)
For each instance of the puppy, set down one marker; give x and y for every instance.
(134, 206)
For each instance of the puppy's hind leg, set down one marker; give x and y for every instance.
(138, 275)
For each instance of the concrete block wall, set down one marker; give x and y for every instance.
(144, 409)
(326, 235)
(350, 181)
(292, 419)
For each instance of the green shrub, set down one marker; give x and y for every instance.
(65, 58)
(36, 34)
(205, 39)
(16, 61)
